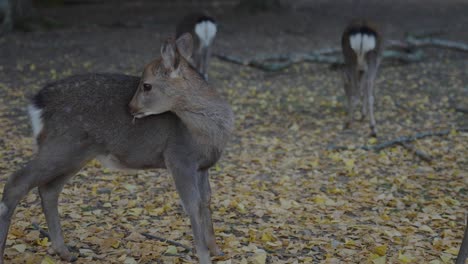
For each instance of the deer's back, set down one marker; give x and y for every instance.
(95, 106)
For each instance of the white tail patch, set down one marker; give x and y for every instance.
(362, 43)
(206, 31)
(36, 119)
(3, 209)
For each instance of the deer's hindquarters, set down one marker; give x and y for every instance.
(35, 114)
(361, 43)
(206, 31)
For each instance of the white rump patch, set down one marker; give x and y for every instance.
(206, 31)
(3, 209)
(362, 43)
(36, 119)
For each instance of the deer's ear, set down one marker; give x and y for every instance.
(185, 46)
(168, 54)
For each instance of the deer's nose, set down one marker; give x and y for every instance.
(133, 109)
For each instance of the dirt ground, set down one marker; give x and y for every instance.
(279, 194)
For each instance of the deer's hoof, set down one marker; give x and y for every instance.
(216, 251)
(64, 254)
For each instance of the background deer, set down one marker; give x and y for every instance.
(182, 124)
(362, 47)
(204, 29)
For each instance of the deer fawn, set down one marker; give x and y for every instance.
(361, 46)
(204, 29)
(463, 253)
(176, 121)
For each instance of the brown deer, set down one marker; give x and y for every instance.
(176, 121)
(362, 47)
(204, 29)
(463, 253)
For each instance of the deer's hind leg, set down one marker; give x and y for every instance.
(369, 84)
(351, 83)
(56, 160)
(49, 194)
(364, 95)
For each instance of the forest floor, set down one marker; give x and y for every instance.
(280, 195)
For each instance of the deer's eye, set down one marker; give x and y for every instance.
(147, 87)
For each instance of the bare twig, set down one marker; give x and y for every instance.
(42, 231)
(278, 62)
(461, 110)
(400, 140)
(410, 47)
(419, 153)
(165, 240)
(403, 56)
(283, 254)
(411, 43)
(439, 43)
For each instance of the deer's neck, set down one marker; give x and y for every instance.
(210, 121)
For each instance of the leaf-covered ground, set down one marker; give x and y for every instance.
(279, 194)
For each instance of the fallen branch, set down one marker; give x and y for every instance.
(439, 43)
(419, 153)
(461, 110)
(399, 140)
(409, 46)
(282, 61)
(411, 43)
(168, 241)
(283, 254)
(42, 231)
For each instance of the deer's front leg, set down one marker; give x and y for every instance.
(205, 194)
(186, 180)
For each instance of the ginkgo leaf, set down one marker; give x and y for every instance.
(171, 250)
(47, 260)
(20, 247)
(259, 258)
(381, 250)
(405, 258)
(43, 242)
